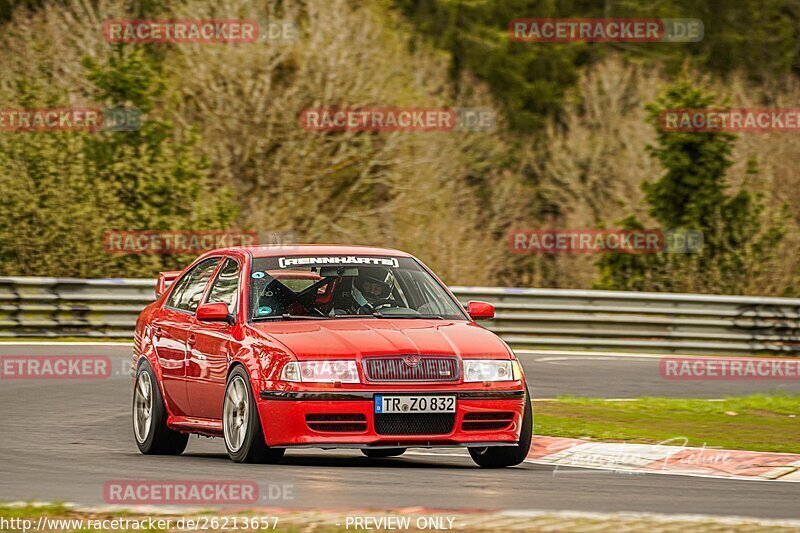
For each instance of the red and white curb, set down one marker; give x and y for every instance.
(665, 459)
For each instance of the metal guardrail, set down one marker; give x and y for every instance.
(63, 307)
(526, 318)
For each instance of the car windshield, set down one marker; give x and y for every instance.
(309, 288)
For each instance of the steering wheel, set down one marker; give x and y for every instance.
(375, 306)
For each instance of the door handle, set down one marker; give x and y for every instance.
(191, 340)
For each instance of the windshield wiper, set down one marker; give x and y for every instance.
(378, 314)
(287, 316)
(374, 314)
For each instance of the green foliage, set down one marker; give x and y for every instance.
(63, 190)
(158, 179)
(140, 8)
(49, 215)
(692, 195)
(531, 80)
(693, 189)
(218, 119)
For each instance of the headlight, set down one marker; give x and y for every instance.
(488, 370)
(321, 372)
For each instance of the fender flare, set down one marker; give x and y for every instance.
(247, 360)
(151, 358)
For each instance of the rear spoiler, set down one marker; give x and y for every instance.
(164, 280)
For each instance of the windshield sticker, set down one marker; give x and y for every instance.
(346, 260)
(258, 275)
(264, 310)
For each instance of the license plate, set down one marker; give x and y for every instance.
(415, 404)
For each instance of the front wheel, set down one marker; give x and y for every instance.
(241, 424)
(153, 437)
(383, 452)
(502, 456)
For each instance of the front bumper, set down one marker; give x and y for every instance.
(333, 419)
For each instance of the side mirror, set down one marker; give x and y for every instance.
(164, 281)
(480, 310)
(214, 312)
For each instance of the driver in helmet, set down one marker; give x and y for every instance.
(368, 289)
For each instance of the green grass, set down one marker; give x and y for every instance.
(31, 510)
(326, 522)
(759, 422)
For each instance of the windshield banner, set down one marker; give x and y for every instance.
(285, 262)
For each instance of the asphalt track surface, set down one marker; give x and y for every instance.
(62, 440)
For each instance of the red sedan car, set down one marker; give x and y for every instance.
(323, 346)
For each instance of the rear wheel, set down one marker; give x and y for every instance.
(241, 424)
(502, 456)
(153, 437)
(383, 452)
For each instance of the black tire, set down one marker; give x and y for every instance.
(502, 456)
(383, 452)
(157, 438)
(253, 447)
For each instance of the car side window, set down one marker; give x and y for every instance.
(226, 287)
(189, 290)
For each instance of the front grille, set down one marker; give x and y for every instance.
(425, 369)
(415, 424)
(486, 421)
(337, 423)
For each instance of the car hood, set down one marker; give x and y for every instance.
(346, 338)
